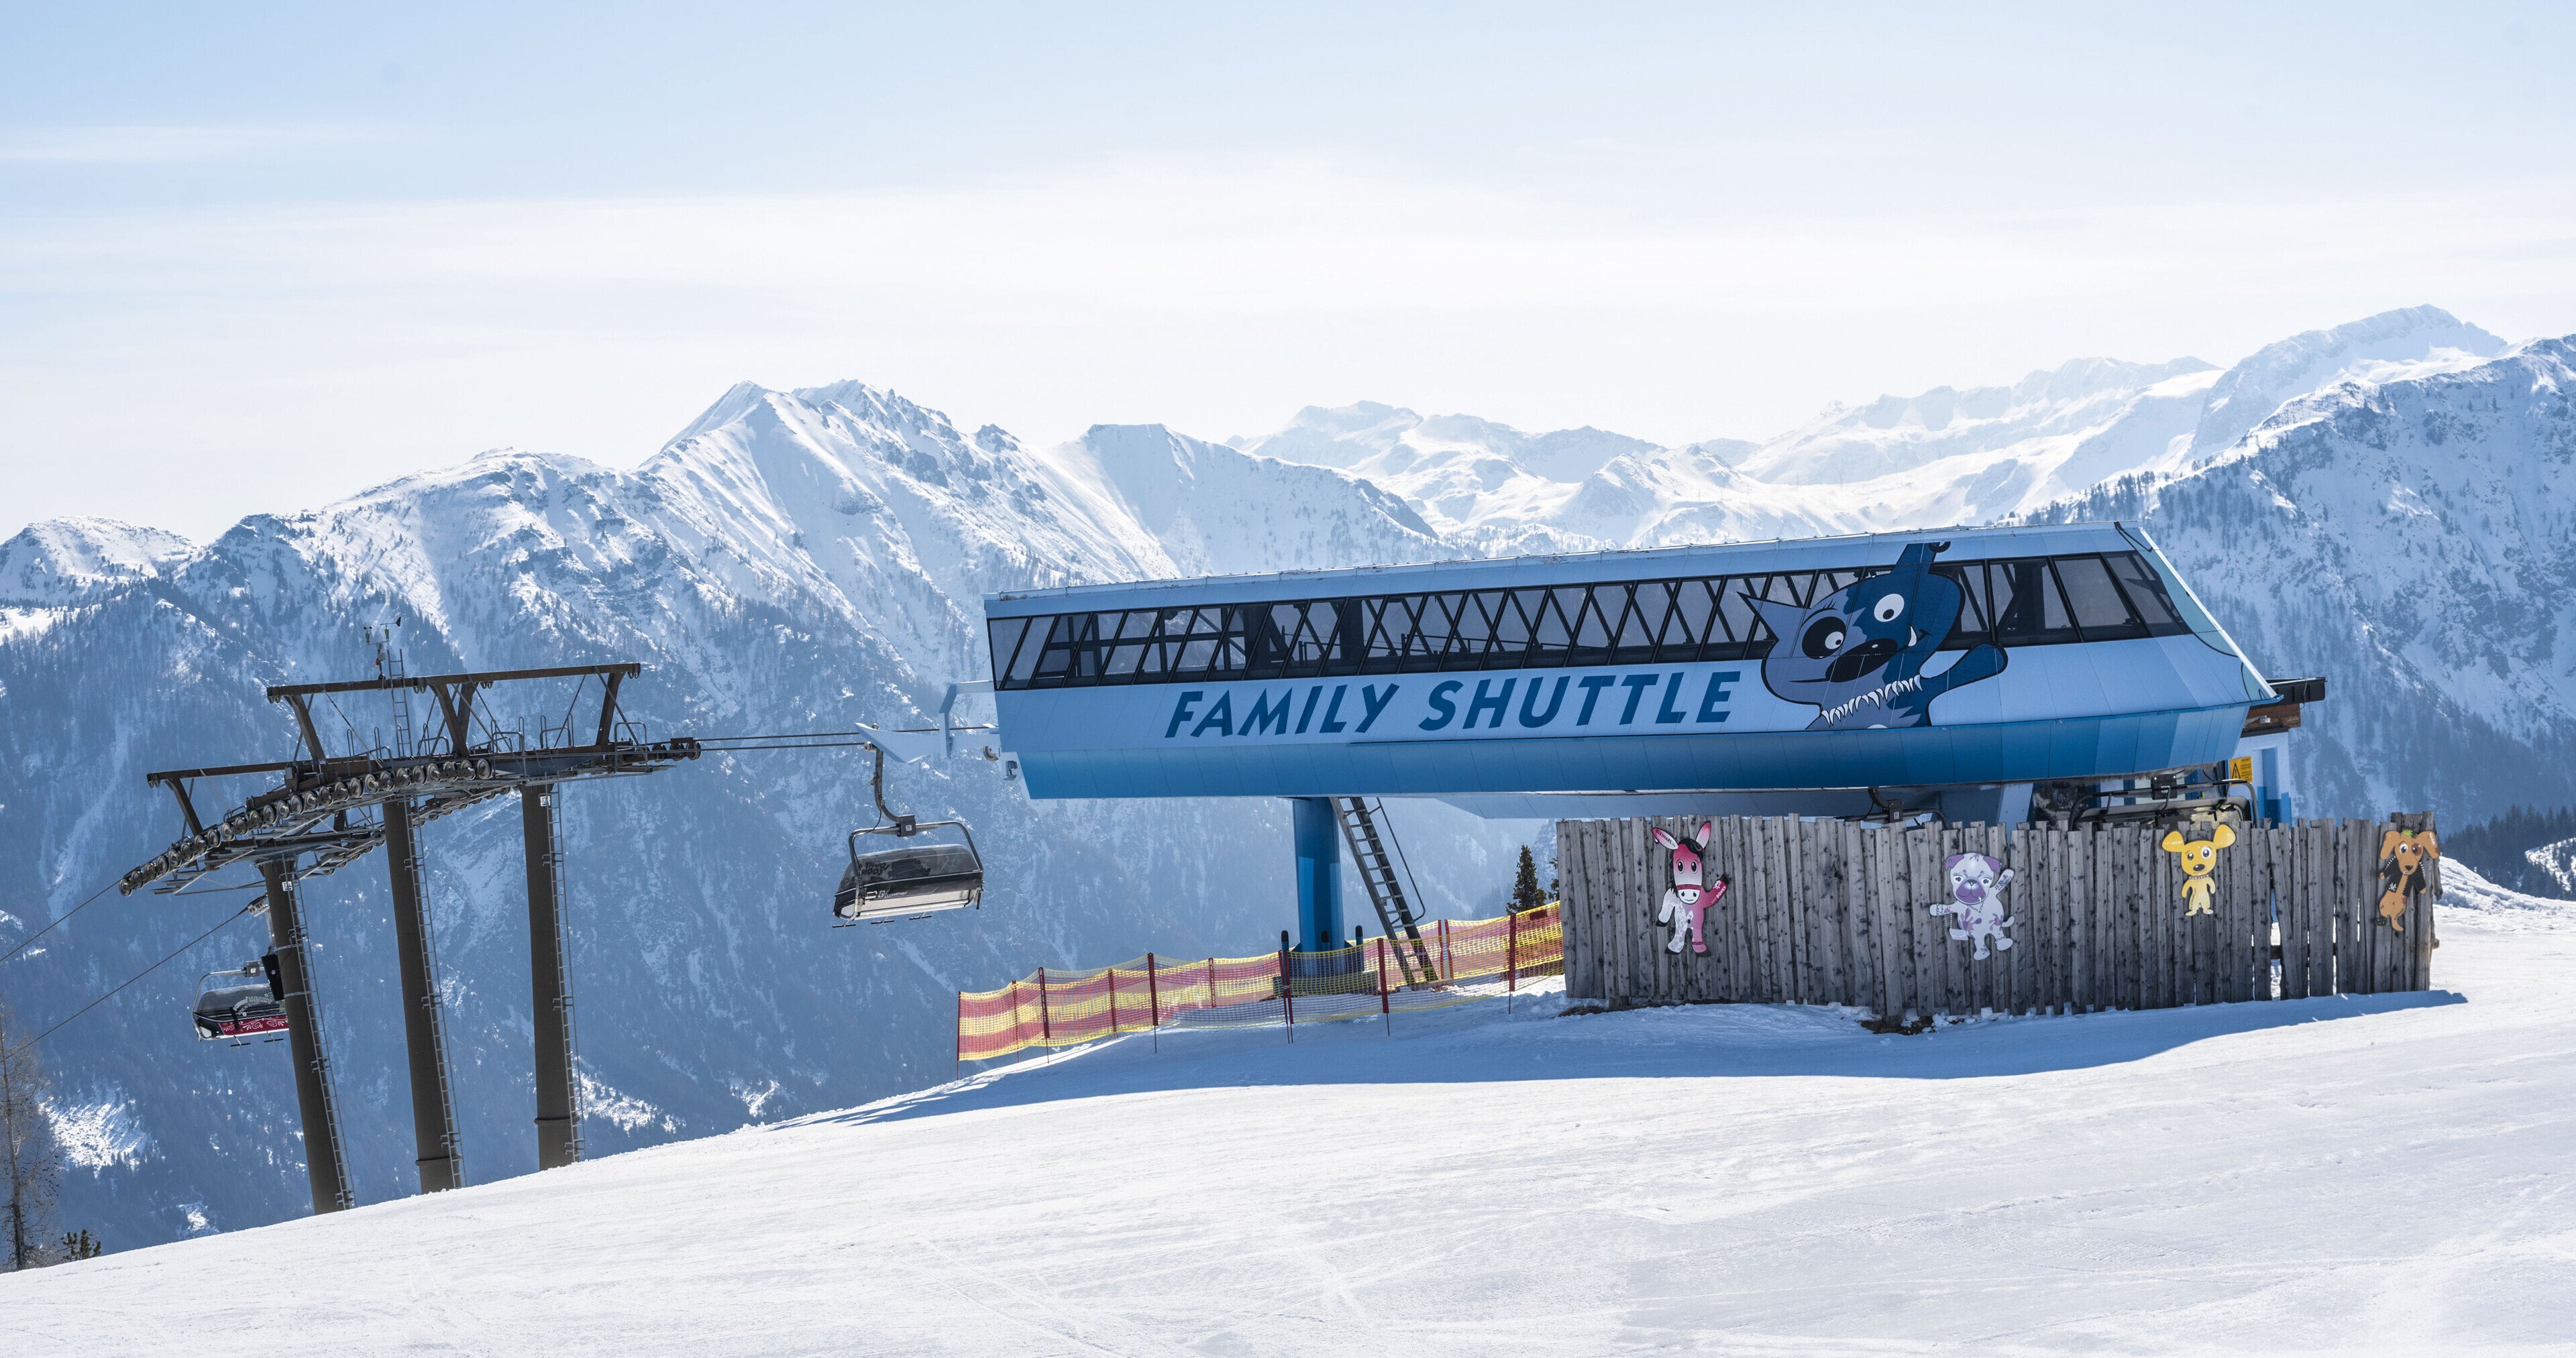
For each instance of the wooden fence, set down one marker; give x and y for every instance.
(1830, 912)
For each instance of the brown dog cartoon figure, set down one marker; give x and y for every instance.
(2199, 857)
(2401, 872)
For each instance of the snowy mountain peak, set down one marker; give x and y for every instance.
(70, 560)
(2414, 341)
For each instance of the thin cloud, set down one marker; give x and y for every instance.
(170, 145)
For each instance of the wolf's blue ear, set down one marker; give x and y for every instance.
(1782, 619)
(1919, 554)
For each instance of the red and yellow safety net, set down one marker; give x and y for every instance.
(1451, 962)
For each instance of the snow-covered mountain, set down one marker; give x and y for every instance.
(2414, 539)
(1943, 456)
(792, 561)
(2401, 519)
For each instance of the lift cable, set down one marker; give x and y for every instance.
(40, 933)
(210, 933)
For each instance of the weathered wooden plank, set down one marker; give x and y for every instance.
(1860, 939)
(1830, 920)
(1779, 985)
(2317, 846)
(2397, 962)
(1636, 905)
(1594, 837)
(1800, 893)
(2419, 919)
(1785, 959)
(2297, 888)
(1662, 964)
(2021, 974)
(2076, 868)
(1575, 899)
(2387, 973)
(1749, 881)
(1885, 957)
(2354, 964)
(1813, 901)
(1931, 883)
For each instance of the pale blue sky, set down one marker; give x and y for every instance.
(257, 256)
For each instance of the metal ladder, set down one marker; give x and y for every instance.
(1382, 869)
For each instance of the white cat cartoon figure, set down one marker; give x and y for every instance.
(1976, 886)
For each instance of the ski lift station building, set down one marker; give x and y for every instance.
(1951, 673)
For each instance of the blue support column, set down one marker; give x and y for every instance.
(1319, 873)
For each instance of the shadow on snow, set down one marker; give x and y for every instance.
(1478, 1042)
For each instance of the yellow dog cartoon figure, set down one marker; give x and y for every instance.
(2198, 858)
(2402, 875)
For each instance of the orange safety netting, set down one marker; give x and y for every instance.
(1453, 961)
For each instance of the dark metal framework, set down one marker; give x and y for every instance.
(2022, 601)
(328, 810)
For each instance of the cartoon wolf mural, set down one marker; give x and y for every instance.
(1858, 653)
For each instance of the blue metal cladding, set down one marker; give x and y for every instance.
(1856, 691)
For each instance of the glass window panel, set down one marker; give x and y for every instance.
(1637, 625)
(2052, 603)
(2012, 594)
(1006, 634)
(2099, 610)
(1600, 610)
(1690, 620)
(1552, 626)
(1743, 625)
(2146, 593)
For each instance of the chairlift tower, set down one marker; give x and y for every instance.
(328, 810)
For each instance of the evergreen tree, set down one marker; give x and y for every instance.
(1525, 892)
(30, 1162)
(79, 1244)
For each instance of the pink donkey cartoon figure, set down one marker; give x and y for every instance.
(1685, 906)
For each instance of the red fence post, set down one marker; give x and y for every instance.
(1046, 1022)
(1153, 991)
(1512, 953)
(1211, 983)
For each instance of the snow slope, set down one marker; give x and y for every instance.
(2362, 1175)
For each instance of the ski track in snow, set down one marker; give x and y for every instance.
(2370, 1174)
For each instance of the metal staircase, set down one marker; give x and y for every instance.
(1382, 869)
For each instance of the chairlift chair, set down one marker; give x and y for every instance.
(236, 1010)
(906, 880)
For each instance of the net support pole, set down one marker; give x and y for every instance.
(957, 1067)
(1287, 996)
(433, 1117)
(1046, 1021)
(549, 990)
(1153, 991)
(1385, 1008)
(322, 1167)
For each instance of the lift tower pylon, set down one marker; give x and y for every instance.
(327, 810)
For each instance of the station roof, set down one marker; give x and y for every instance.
(1728, 558)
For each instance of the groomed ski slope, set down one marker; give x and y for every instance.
(2388, 1174)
